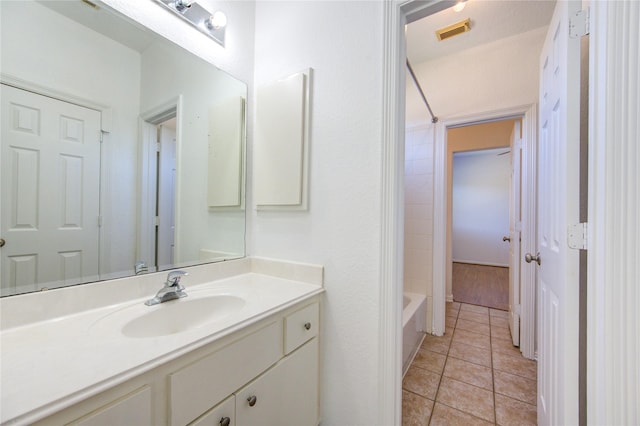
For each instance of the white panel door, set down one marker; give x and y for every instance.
(515, 227)
(50, 192)
(558, 192)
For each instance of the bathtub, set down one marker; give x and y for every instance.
(413, 320)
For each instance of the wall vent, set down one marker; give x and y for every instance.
(454, 29)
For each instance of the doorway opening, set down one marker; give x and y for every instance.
(480, 227)
(478, 187)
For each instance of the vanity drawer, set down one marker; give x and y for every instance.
(301, 326)
(199, 386)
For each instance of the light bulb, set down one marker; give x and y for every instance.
(459, 6)
(217, 21)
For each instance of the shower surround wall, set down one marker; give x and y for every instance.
(418, 215)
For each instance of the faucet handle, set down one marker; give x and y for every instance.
(173, 278)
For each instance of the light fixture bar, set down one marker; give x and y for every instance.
(197, 16)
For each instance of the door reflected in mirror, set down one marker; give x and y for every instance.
(112, 146)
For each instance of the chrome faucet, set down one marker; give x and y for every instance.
(172, 289)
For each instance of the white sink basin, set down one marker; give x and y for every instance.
(181, 315)
(175, 316)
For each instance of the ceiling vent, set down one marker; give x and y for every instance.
(454, 29)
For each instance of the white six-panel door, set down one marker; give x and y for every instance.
(50, 192)
(558, 192)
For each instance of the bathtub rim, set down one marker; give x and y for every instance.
(415, 301)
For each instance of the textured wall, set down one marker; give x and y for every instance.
(341, 229)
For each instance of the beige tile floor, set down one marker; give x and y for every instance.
(473, 375)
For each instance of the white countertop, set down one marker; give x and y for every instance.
(49, 365)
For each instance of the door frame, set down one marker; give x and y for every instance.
(106, 125)
(396, 14)
(605, 54)
(147, 178)
(442, 251)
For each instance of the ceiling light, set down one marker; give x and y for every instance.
(460, 5)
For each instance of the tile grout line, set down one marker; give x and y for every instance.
(446, 358)
(493, 374)
(479, 387)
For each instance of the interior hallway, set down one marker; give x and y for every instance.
(471, 375)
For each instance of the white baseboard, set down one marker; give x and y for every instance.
(475, 262)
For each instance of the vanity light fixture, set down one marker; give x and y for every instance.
(207, 23)
(182, 5)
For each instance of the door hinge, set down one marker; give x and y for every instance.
(579, 24)
(99, 221)
(158, 147)
(157, 221)
(102, 133)
(577, 236)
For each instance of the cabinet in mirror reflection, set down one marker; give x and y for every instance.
(111, 151)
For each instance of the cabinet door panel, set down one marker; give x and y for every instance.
(285, 395)
(133, 409)
(217, 415)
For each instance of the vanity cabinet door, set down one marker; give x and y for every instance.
(223, 414)
(134, 408)
(286, 395)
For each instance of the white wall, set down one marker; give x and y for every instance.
(418, 212)
(341, 230)
(489, 77)
(481, 207)
(50, 48)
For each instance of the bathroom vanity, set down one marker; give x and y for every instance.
(241, 349)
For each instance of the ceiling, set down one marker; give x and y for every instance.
(491, 20)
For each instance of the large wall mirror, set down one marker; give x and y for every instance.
(121, 153)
